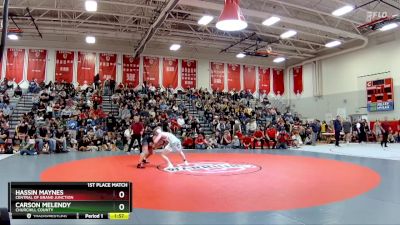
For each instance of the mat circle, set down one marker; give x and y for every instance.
(284, 183)
(211, 168)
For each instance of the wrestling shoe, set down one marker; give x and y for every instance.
(186, 163)
(169, 167)
(145, 161)
(140, 166)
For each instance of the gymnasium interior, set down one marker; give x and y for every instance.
(199, 112)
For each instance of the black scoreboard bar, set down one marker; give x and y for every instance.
(83, 200)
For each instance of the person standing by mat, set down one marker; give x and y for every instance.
(174, 144)
(385, 133)
(137, 132)
(347, 130)
(337, 124)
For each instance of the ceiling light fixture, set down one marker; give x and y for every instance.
(271, 21)
(175, 47)
(91, 5)
(389, 26)
(240, 55)
(333, 44)
(90, 39)
(231, 18)
(279, 60)
(205, 20)
(12, 36)
(344, 10)
(288, 34)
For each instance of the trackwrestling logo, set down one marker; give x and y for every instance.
(213, 168)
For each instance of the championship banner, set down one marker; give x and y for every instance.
(298, 80)
(65, 66)
(130, 70)
(108, 66)
(380, 95)
(217, 73)
(189, 74)
(234, 77)
(264, 80)
(249, 77)
(279, 82)
(151, 70)
(15, 64)
(170, 73)
(86, 67)
(37, 65)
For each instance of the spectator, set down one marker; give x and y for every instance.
(200, 142)
(347, 130)
(338, 128)
(271, 136)
(96, 81)
(27, 146)
(226, 140)
(251, 126)
(297, 142)
(236, 142)
(258, 139)
(283, 140)
(316, 128)
(385, 131)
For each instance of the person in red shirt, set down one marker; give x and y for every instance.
(174, 126)
(283, 140)
(385, 131)
(97, 99)
(137, 132)
(200, 142)
(226, 139)
(270, 135)
(188, 143)
(247, 142)
(258, 137)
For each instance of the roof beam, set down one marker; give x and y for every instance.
(263, 15)
(153, 28)
(313, 10)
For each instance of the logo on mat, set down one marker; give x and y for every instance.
(213, 168)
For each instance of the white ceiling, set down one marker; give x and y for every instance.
(129, 20)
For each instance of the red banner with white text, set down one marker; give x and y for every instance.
(264, 80)
(189, 74)
(65, 66)
(151, 70)
(234, 77)
(86, 67)
(130, 70)
(298, 80)
(37, 65)
(108, 66)
(170, 73)
(249, 78)
(217, 73)
(278, 78)
(15, 64)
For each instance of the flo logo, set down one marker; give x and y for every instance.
(212, 168)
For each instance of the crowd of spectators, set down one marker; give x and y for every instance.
(65, 118)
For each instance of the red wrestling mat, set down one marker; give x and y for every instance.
(237, 183)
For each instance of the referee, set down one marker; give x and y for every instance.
(337, 124)
(137, 132)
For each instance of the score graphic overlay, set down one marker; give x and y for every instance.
(91, 200)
